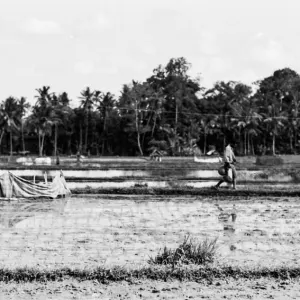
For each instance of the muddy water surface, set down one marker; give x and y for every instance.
(88, 231)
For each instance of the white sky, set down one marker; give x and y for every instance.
(71, 44)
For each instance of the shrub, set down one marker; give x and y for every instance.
(140, 185)
(269, 161)
(295, 174)
(189, 252)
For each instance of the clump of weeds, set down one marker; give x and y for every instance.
(190, 251)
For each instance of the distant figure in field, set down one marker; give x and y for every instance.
(156, 155)
(78, 157)
(229, 160)
(212, 151)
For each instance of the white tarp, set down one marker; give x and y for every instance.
(14, 186)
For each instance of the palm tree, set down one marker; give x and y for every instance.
(274, 118)
(106, 103)
(22, 107)
(173, 139)
(66, 117)
(176, 77)
(10, 111)
(247, 120)
(43, 97)
(41, 119)
(41, 122)
(222, 95)
(87, 102)
(3, 122)
(292, 91)
(56, 118)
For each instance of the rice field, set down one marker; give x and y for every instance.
(108, 230)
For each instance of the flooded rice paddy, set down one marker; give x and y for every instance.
(125, 230)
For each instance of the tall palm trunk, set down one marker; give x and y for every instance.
(249, 148)
(55, 139)
(204, 146)
(176, 115)
(245, 142)
(265, 145)
(1, 137)
(273, 144)
(137, 129)
(69, 151)
(42, 144)
(22, 136)
(39, 137)
(86, 136)
(80, 137)
(295, 137)
(176, 123)
(103, 135)
(240, 142)
(98, 149)
(144, 135)
(154, 125)
(291, 143)
(11, 143)
(252, 145)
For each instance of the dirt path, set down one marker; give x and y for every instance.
(258, 289)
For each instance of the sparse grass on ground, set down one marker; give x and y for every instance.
(192, 260)
(251, 191)
(167, 272)
(190, 251)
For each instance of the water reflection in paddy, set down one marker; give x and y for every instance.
(126, 230)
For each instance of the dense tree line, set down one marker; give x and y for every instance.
(169, 111)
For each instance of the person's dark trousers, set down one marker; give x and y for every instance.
(226, 168)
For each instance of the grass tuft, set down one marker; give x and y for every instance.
(189, 252)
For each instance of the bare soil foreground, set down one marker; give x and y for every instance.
(229, 289)
(90, 231)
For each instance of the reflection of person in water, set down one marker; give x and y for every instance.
(227, 218)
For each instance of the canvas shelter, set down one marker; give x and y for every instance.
(13, 186)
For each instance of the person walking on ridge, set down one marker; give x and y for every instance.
(229, 160)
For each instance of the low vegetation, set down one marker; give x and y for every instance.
(269, 161)
(188, 252)
(191, 261)
(250, 192)
(167, 272)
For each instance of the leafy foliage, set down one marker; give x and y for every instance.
(170, 111)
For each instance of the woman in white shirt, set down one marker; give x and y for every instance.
(229, 160)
